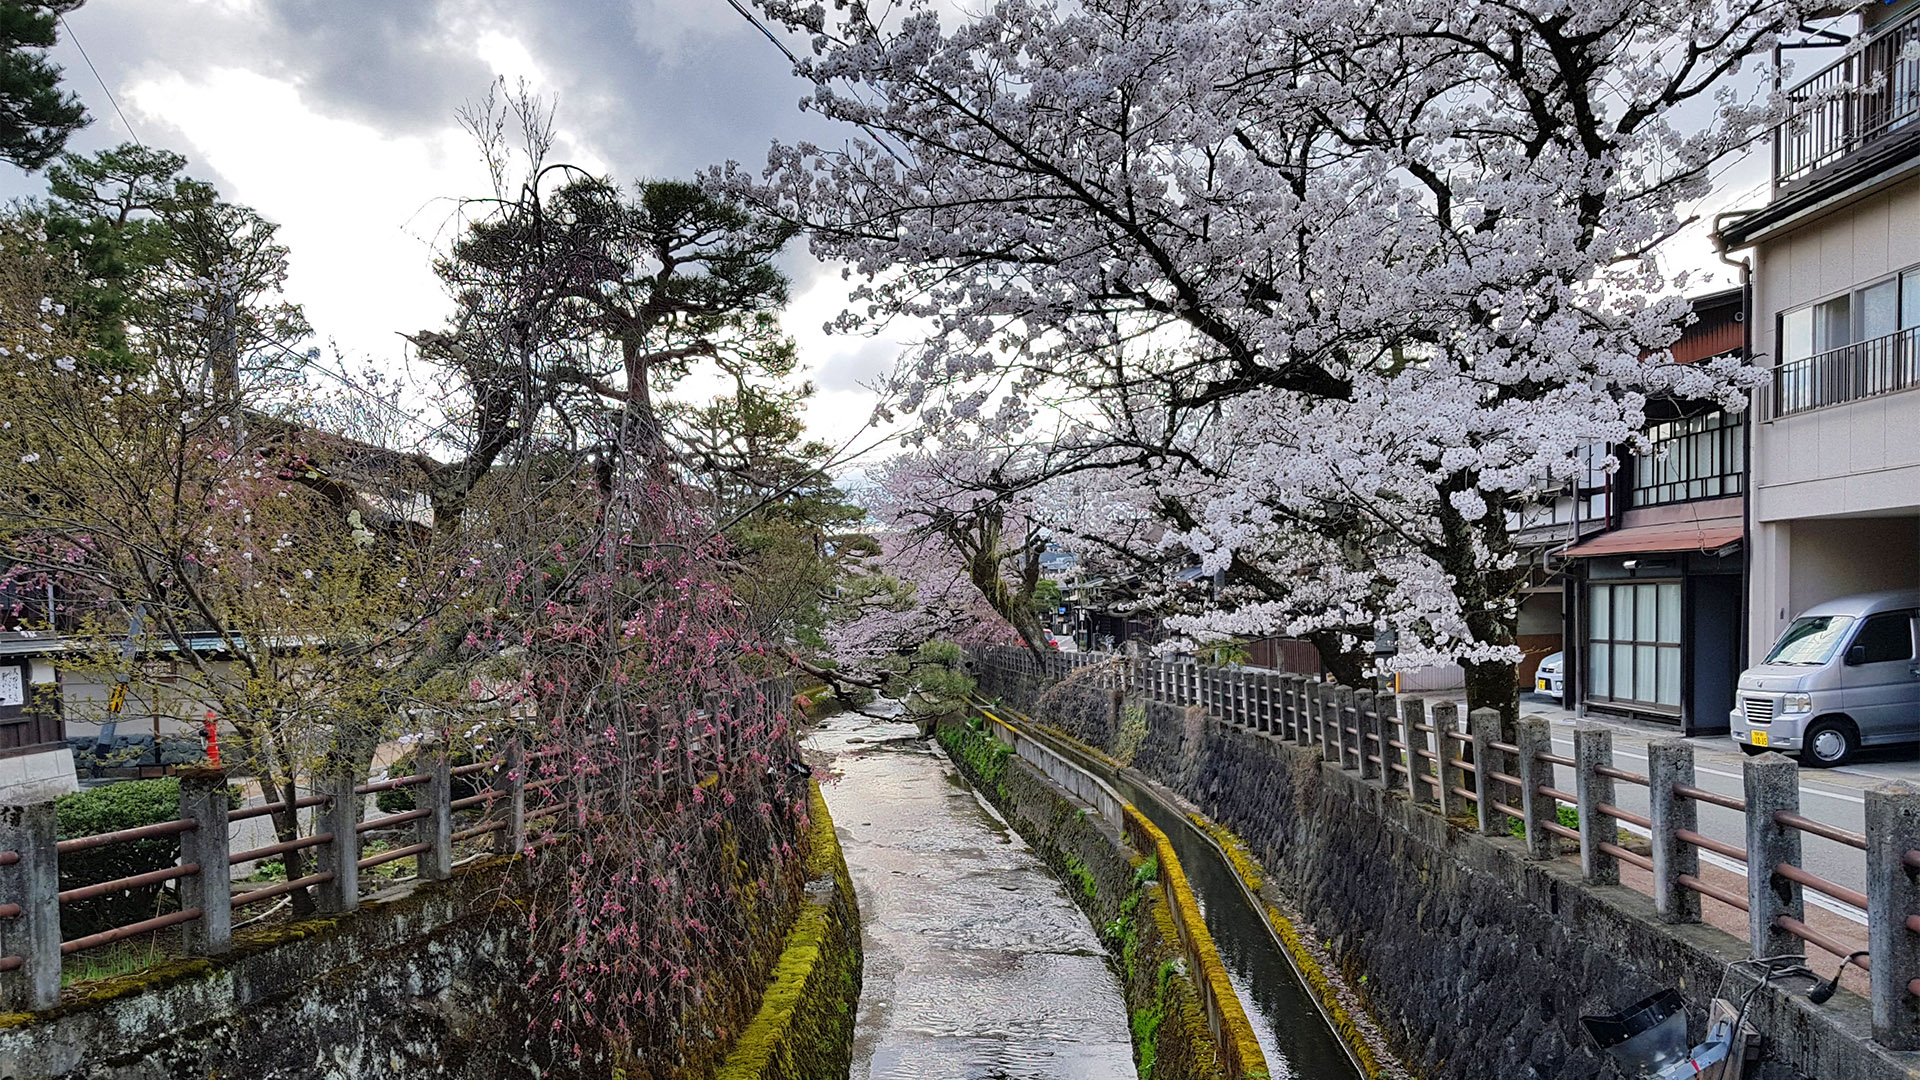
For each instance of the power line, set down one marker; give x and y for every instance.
(111, 100)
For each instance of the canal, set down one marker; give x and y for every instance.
(978, 965)
(1296, 1039)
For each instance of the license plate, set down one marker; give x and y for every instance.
(1759, 738)
(1541, 684)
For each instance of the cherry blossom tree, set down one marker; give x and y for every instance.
(957, 509)
(1391, 258)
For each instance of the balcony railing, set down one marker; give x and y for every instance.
(1863, 97)
(1864, 369)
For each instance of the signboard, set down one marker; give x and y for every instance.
(13, 687)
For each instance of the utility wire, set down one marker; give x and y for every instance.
(111, 100)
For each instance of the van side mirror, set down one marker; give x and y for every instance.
(1856, 656)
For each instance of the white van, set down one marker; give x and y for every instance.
(1843, 675)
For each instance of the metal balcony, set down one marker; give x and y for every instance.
(1867, 96)
(1864, 369)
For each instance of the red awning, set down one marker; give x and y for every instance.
(1711, 537)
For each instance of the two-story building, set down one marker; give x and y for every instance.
(1649, 563)
(1835, 257)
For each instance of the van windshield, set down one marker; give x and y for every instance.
(1810, 640)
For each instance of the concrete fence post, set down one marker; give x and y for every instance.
(1266, 708)
(1386, 714)
(1323, 729)
(1366, 727)
(1484, 725)
(1593, 750)
(32, 882)
(1413, 717)
(1299, 727)
(203, 801)
(1446, 747)
(512, 837)
(1535, 737)
(1670, 765)
(1309, 702)
(1893, 896)
(341, 855)
(436, 829)
(1772, 785)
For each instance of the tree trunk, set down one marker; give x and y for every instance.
(1492, 685)
(1347, 666)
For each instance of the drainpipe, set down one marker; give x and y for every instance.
(1745, 266)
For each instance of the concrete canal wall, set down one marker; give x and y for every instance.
(1475, 960)
(1118, 888)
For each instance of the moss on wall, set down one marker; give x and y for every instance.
(804, 1029)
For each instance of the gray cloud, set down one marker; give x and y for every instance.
(853, 370)
(654, 87)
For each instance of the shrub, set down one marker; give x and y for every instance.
(109, 808)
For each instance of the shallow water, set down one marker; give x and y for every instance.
(978, 965)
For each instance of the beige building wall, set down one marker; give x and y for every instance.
(1854, 466)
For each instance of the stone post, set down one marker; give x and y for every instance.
(1592, 749)
(1327, 718)
(1269, 707)
(1294, 693)
(1773, 784)
(32, 882)
(1670, 765)
(1536, 738)
(1893, 894)
(1484, 724)
(512, 837)
(436, 829)
(341, 855)
(1366, 726)
(1346, 725)
(1386, 725)
(203, 801)
(1413, 717)
(1446, 747)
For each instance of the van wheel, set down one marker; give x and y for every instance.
(1829, 743)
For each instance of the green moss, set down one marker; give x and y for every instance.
(1077, 870)
(804, 1028)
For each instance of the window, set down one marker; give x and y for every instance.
(1697, 457)
(1810, 640)
(1886, 638)
(1849, 347)
(1634, 644)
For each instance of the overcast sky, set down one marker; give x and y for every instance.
(336, 118)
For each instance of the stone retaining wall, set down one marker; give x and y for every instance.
(1114, 885)
(1476, 961)
(420, 982)
(804, 1029)
(425, 980)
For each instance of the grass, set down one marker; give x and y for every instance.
(121, 957)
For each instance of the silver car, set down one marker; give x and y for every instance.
(1843, 675)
